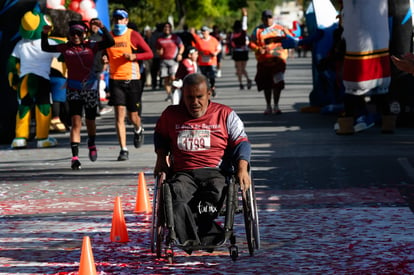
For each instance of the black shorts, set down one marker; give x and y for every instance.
(126, 93)
(240, 55)
(270, 74)
(79, 100)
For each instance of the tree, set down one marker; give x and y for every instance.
(194, 13)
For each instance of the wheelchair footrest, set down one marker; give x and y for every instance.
(191, 245)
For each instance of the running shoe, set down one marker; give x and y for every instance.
(139, 138)
(249, 84)
(277, 111)
(47, 142)
(268, 111)
(123, 155)
(19, 143)
(75, 164)
(93, 153)
(218, 74)
(105, 110)
(363, 123)
(168, 98)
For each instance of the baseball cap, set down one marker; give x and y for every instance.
(190, 50)
(120, 13)
(205, 29)
(267, 13)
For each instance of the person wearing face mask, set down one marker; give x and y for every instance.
(82, 84)
(124, 78)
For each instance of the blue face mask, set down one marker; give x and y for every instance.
(119, 29)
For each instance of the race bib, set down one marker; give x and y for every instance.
(278, 77)
(205, 58)
(193, 140)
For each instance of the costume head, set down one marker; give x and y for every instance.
(32, 23)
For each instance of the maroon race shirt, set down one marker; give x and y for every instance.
(200, 142)
(170, 44)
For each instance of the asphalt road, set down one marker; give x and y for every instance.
(328, 204)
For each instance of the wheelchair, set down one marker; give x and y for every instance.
(163, 238)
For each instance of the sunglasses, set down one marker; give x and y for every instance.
(78, 33)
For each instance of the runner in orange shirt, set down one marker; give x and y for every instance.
(208, 48)
(271, 59)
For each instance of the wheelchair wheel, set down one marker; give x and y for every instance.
(157, 221)
(251, 219)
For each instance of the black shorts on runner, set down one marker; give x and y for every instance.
(79, 100)
(125, 93)
(240, 55)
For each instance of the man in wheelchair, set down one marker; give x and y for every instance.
(191, 140)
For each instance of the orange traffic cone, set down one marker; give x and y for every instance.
(142, 204)
(87, 263)
(119, 231)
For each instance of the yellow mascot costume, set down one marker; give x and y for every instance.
(28, 73)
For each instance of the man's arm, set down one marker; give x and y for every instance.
(144, 51)
(241, 149)
(162, 150)
(161, 164)
(107, 39)
(241, 157)
(405, 63)
(45, 40)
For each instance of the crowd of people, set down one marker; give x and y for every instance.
(194, 136)
(121, 62)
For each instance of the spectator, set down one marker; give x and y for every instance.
(186, 37)
(155, 65)
(100, 65)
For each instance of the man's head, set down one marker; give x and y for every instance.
(119, 14)
(191, 53)
(167, 28)
(196, 94)
(120, 21)
(94, 25)
(205, 31)
(267, 17)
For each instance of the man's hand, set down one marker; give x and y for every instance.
(47, 29)
(161, 164)
(405, 63)
(129, 56)
(243, 175)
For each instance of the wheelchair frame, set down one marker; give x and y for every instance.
(162, 223)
